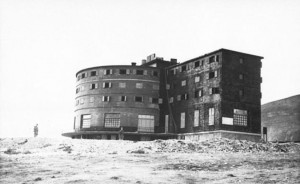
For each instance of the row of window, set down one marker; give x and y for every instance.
(196, 64)
(92, 86)
(146, 122)
(118, 72)
(121, 99)
(239, 118)
(113, 120)
(198, 93)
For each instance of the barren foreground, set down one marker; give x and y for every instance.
(40, 160)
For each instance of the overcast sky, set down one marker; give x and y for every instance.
(43, 43)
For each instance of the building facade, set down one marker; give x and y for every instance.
(214, 95)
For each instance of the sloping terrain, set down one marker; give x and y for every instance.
(282, 119)
(41, 160)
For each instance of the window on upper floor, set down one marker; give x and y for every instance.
(241, 76)
(214, 91)
(140, 72)
(108, 72)
(241, 92)
(197, 79)
(155, 73)
(183, 68)
(171, 100)
(155, 86)
(138, 99)
(123, 98)
(105, 98)
(122, 85)
(106, 85)
(153, 100)
(139, 85)
(92, 99)
(214, 58)
(241, 60)
(167, 86)
(199, 93)
(83, 75)
(93, 73)
(94, 86)
(81, 101)
(213, 74)
(197, 64)
(123, 71)
(183, 83)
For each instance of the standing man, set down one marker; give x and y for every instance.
(36, 130)
(121, 134)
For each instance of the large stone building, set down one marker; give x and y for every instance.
(214, 95)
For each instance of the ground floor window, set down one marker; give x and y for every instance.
(182, 120)
(196, 118)
(166, 123)
(86, 121)
(112, 120)
(146, 123)
(239, 117)
(211, 116)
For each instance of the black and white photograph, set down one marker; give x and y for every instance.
(149, 91)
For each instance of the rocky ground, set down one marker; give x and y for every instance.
(43, 160)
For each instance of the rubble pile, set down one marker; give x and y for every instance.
(223, 145)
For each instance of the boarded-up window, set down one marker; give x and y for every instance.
(146, 123)
(139, 85)
(112, 120)
(86, 121)
(122, 85)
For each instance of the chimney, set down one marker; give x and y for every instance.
(133, 64)
(173, 60)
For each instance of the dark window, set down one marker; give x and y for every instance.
(155, 100)
(183, 68)
(202, 62)
(172, 72)
(108, 72)
(211, 59)
(217, 58)
(140, 72)
(213, 74)
(105, 98)
(94, 86)
(122, 71)
(197, 64)
(184, 96)
(106, 85)
(155, 73)
(138, 99)
(214, 91)
(83, 75)
(123, 98)
(198, 93)
(93, 73)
